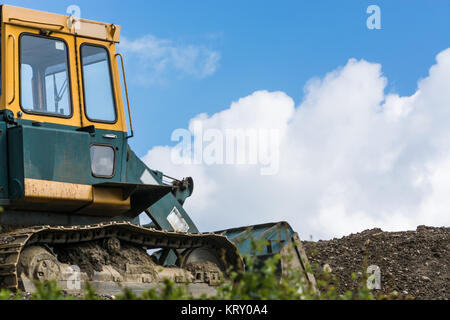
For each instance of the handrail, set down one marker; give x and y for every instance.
(14, 68)
(126, 93)
(37, 22)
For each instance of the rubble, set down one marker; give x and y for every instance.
(414, 263)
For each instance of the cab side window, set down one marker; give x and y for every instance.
(44, 76)
(97, 83)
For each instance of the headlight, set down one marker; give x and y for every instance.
(102, 161)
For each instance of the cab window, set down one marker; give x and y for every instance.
(97, 84)
(44, 76)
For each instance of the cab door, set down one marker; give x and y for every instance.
(102, 109)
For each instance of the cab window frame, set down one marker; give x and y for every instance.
(111, 78)
(69, 75)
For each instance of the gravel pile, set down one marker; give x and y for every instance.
(414, 263)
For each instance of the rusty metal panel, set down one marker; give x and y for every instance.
(41, 190)
(41, 195)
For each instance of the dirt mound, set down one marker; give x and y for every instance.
(414, 263)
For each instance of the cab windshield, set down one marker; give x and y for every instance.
(44, 76)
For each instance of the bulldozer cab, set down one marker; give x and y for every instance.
(60, 70)
(67, 131)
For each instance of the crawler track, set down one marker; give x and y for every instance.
(13, 243)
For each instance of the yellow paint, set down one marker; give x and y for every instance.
(41, 191)
(52, 196)
(16, 21)
(107, 202)
(60, 23)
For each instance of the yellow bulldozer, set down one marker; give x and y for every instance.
(71, 188)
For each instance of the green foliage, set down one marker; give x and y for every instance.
(8, 295)
(49, 290)
(167, 291)
(262, 282)
(5, 294)
(90, 293)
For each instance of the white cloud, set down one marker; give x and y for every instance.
(153, 60)
(351, 157)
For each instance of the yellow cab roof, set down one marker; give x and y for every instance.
(60, 23)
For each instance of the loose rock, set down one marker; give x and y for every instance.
(416, 262)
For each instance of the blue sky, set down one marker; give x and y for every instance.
(363, 142)
(264, 45)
